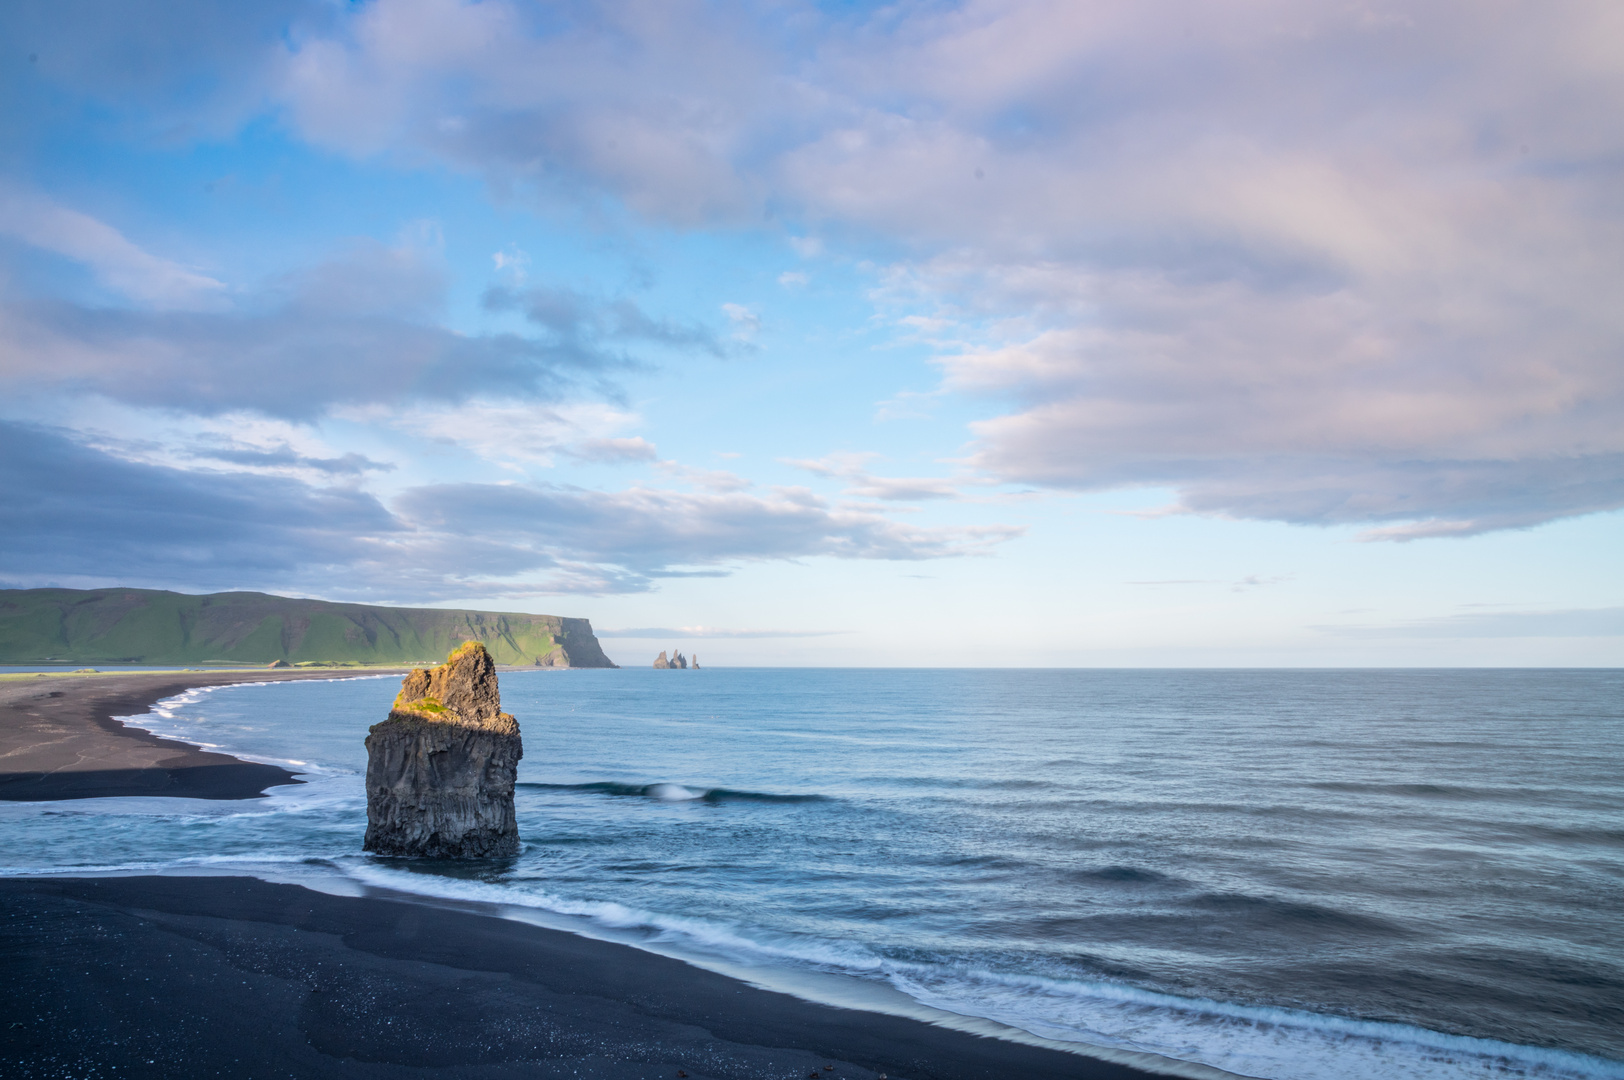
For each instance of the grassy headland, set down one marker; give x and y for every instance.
(147, 626)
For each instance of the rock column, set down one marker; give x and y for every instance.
(441, 768)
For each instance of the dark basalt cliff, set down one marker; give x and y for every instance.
(441, 769)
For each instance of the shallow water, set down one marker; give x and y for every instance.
(1283, 874)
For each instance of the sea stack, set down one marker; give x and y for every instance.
(440, 770)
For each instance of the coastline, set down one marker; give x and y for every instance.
(60, 739)
(185, 976)
(190, 975)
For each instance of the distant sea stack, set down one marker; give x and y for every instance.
(677, 661)
(441, 769)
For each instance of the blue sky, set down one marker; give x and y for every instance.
(922, 333)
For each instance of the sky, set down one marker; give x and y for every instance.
(990, 333)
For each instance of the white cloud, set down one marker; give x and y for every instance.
(746, 323)
(716, 480)
(517, 431)
(618, 541)
(613, 451)
(117, 262)
(1299, 261)
(514, 261)
(1307, 262)
(864, 484)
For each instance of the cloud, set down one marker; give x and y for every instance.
(861, 482)
(662, 633)
(1326, 417)
(117, 263)
(1254, 581)
(359, 329)
(83, 514)
(718, 480)
(1302, 262)
(514, 260)
(1570, 622)
(164, 71)
(746, 323)
(644, 532)
(283, 456)
(794, 279)
(506, 430)
(78, 514)
(578, 323)
(1324, 264)
(613, 451)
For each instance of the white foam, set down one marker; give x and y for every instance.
(673, 793)
(1254, 1041)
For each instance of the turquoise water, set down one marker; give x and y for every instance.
(1280, 874)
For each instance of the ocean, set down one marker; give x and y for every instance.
(1285, 874)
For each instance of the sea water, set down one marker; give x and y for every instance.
(1289, 874)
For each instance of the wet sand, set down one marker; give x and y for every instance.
(58, 739)
(191, 976)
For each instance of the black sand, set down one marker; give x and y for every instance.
(58, 740)
(234, 977)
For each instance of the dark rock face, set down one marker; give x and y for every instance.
(677, 661)
(558, 658)
(441, 769)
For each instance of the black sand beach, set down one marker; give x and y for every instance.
(186, 976)
(58, 739)
(234, 977)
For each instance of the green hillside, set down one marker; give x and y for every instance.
(146, 626)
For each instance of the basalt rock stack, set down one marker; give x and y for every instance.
(440, 770)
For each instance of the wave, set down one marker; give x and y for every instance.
(667, 792)
(1092, 1016)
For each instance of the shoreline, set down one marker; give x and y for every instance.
(166, 976)
(74, 942)
(60, 738)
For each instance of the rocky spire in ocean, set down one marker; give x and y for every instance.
(441, 768)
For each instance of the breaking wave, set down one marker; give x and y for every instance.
(667, 792)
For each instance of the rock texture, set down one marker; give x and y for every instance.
(677, 661)
(660, 662)
(440, 770)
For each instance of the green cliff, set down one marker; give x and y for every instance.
(146, 626)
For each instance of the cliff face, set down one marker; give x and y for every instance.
(154, 627)
(441, 768)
